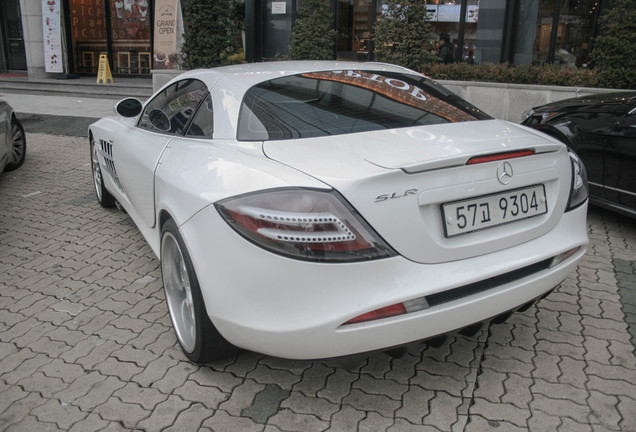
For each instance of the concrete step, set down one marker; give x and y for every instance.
(82, 87)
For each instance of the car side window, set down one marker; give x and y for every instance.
(202, 123)
(170, 110)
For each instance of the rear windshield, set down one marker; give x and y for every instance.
(343, 102)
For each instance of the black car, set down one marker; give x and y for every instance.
(601, 129)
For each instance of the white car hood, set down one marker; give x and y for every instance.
(399, 179)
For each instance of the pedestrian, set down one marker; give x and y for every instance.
(446, 50)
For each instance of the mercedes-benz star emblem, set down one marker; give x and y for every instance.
(504, 173)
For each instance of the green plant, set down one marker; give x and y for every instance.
(210, 33)
(403, 34)
(615, 47)
(312, 37)
(529, 74)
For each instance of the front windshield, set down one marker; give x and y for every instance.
(343, 102)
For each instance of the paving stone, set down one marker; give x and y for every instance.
(346, 419)
(174, 378)
(313, 380)
(372, 385)
(500, 412)
(32, 423)
(46, 386)
(20, 409)
(559, 407)
(128, 414)
(208, 396)
(443, 411)
(207, 377)
(63, 415)
(155, 371)
(242, 398)
(266, 375)
(490, 385)
(190, 419)
(415, 404)
(288, 420)
(164, 414)
(92, 422)
(381, 404)
(401, 425)
(321, 408)
(480, 424)
(374, 422)
(99, 393)
(338, 386)
(627, 409)
(148, 398)
(222, 421)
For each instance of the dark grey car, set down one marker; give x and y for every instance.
(601, 129)
(12, 139)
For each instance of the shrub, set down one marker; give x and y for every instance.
(403, 34)
(312, 37)
(615, 46)
(210, 34)
(529, 74)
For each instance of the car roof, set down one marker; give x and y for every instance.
(244, 76)
(594, 100)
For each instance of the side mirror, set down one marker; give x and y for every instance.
(130, 107)
(159, 119)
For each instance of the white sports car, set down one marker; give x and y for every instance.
(319, 209)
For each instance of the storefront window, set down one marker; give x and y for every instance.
(130, 30)
(122, 31)
(575, 32)
(354, 20)
(88, 34)
(567, 45)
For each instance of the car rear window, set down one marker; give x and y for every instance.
(342, 102)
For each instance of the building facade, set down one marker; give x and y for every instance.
(129, 32)
(494, 31)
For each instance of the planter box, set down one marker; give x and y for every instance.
(502, 101)
(509, 101)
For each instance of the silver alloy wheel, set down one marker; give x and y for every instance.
(97, 171)
(176, 283)
(18, 143)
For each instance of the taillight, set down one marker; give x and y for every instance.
(306, 224)
(578, 188)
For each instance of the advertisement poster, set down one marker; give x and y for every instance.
(52, 35)
(165, 34)
(129, 20)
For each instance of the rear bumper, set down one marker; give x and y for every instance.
(295, 309)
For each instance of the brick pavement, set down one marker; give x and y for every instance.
(86, 342)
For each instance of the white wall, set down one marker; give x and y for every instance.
(31, 11)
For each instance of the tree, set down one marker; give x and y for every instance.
(312, 37)
(210, 33)
(615, 47)
(403, 34)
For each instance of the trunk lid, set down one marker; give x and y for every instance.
(400, 179)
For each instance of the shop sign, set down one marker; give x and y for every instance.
(165, 34)
(52, 36)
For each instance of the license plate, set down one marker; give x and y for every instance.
(474, 214)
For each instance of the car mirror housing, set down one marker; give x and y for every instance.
(130, 107)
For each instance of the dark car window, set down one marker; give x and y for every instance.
(202, 125)
(170, 110)
(342, 102)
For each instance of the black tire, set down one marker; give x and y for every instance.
(200, 341)
(104, 197)
(18, 152)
